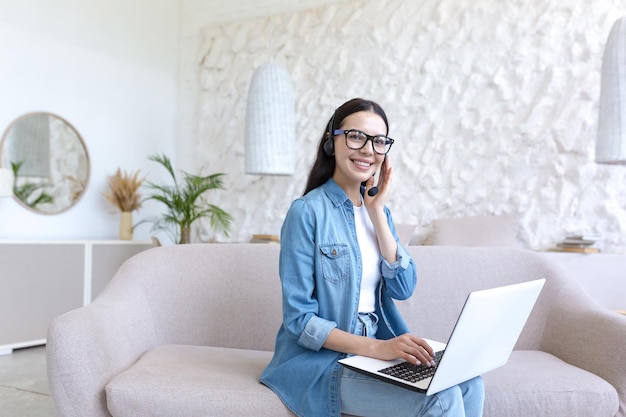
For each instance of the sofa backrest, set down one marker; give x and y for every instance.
(209, 294)
(447, 274)
(230, 295)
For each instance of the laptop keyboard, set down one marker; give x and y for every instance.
(411, 372)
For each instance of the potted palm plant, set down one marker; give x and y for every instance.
(185, 203)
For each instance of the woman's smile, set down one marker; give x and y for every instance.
(365, 165)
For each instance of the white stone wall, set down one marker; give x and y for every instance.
(493, 105)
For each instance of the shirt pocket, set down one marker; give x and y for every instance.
(335, 261)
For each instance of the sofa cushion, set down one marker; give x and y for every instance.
(177, 380)
(498, 230)
(405, 232)
(535, 383)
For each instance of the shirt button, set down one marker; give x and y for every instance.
(334, 252)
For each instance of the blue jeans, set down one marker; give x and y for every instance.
(365, 396)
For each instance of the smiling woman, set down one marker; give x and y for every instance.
(49, 162)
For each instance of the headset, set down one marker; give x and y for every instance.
(329, 143)
(329, 150)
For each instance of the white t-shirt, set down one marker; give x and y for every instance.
(370, 253)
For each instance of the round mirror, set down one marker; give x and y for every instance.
(49, 162)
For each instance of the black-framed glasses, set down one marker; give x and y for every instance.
(355, 139)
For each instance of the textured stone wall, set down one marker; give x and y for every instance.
(493, 105)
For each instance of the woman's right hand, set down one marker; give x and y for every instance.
(408, 347)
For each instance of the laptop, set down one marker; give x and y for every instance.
(483, 338)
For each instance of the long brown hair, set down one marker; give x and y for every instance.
(324, 165)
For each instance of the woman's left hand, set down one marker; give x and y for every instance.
(376, 209)
(379, 200)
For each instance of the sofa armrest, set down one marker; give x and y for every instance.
(88, 346)
(590, 337)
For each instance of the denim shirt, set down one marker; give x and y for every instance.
(320, 272)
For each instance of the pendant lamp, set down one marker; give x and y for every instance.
(270, 122)
(611, 140)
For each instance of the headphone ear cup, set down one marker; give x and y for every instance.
(329, 143)
(329, 146)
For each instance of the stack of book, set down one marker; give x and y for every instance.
(265, 239)
(579, 244)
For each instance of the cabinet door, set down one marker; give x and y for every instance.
(38, 282)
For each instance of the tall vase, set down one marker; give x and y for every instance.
(126, 225)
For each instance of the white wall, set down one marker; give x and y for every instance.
(110, 69)
(493, 105)
(195, 16)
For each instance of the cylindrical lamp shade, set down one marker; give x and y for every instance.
(611, 141)
(270, 122)
(6, 182)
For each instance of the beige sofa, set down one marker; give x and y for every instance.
(186, 331)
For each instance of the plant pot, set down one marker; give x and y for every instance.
(126, 225)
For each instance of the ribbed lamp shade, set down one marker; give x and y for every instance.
(6, 182)
(270, 122)
(611, 141)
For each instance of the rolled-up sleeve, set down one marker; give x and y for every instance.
(400, 276)
(403, 261)
(316, 332)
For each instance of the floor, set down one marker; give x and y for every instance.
(24, 390)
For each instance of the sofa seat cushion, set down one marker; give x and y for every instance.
(535, 383)
(179, 380)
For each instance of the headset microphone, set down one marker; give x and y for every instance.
(374, 190)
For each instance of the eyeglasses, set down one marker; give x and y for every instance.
(355, 139)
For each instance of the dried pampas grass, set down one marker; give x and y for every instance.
(124, 190)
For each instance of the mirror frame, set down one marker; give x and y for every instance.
(4, 140)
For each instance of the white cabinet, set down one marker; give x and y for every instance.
(42, 280)
(603, 275)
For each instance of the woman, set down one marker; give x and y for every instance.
(340, 267)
